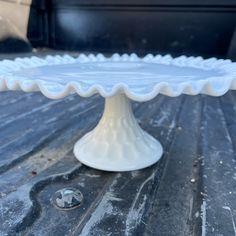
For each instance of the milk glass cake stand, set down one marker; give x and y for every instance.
(118, 143)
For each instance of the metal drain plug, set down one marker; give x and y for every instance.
(67, 198)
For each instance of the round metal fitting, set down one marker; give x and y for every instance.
(67, 198)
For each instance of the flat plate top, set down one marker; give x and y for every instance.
(140, 78)
(110, 73)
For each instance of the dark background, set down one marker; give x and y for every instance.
(205, 28)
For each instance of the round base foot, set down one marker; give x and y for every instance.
(118, 156)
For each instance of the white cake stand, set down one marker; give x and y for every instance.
(118, 143)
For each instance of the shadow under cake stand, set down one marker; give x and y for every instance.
(118, 143)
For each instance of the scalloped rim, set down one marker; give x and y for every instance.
(208, 86)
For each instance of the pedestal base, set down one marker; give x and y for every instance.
(118, 143)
